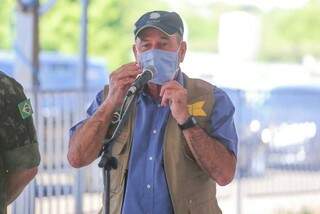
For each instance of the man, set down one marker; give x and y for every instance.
(180, 139)
(19, 154)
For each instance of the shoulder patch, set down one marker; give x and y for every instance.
(25, 109)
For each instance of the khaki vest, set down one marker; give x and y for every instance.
(191, 189)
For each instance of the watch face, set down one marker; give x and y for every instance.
(191, 122)
(194, 120)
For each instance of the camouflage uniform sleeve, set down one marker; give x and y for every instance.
(18, 141)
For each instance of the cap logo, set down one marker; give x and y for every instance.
(154, 16)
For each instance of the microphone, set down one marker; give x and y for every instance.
(141, 80)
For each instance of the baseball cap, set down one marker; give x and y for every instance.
(167, 22)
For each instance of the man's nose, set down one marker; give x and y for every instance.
(155, 45)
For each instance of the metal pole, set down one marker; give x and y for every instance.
(27, 44)
(84, 44)
(35, 58)
(26, 72)
(239, 193)
(239, 198)
(79, 184)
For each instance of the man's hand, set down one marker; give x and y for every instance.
(209, 153)
(120, 81)
(85, 144)
(175, 95)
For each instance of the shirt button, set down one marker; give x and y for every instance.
(150, 158)
(190, 201)
(159, 105)
(148, 186)
(154, 131)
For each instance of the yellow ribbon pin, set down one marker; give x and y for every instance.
(196, 109)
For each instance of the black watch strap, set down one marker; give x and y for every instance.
(189, 123)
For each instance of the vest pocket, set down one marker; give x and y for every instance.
(118, 175)
(116, 179)
(118, 151)
(119, 145)
(187, 152)
(205, 206)
(203, 201)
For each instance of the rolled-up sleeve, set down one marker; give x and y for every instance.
(222, 121)
(90, 111)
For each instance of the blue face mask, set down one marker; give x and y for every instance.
(165, 63)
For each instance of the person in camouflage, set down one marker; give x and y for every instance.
(19, 153)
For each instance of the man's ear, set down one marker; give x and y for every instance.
(134, 50)
(182, 51)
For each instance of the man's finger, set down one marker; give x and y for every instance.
(125, 82)
(167, 96)
(131, 69)
(172, 85)
(128, 74)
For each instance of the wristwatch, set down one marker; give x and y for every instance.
(189, 123)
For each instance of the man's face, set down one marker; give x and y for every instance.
(152, 38)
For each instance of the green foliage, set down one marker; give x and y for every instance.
(6, 32)
(203, 26)
(289, 35)
(303, 210)
(110, 29)
(203, 33)
(59, 27)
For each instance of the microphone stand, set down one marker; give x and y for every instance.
(107, 161)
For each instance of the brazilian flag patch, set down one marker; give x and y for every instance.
(25, 109)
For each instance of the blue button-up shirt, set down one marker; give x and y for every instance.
(147, 189)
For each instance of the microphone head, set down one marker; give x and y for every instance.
(149, 70)
(141, 80)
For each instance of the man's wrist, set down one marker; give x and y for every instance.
(110, 104)
(189, 123)
(105, 111)
(183, 118)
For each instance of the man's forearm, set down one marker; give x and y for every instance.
(17, 181)
(211, 155)
(85, 144)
